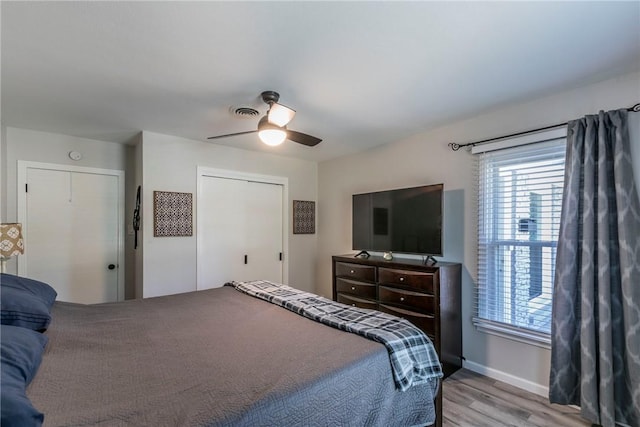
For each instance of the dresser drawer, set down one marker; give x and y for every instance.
(361, 289)
(356, 302)
(422, 321)
(413, 279)
(356, 271)
(413, 300)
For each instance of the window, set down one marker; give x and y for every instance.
(519, 206)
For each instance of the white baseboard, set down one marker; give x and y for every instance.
(507, 378)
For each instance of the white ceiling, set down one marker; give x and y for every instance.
(359, 74)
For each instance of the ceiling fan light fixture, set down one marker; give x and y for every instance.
(280, 115)
(272, 137)
(272, 127)
(270, 133)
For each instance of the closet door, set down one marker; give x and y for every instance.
(71, 222)
(221, 246)
(240, 231)
(263, 215)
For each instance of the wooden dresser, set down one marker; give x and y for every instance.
(426, 295)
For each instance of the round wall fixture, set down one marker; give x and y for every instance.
(75, 155)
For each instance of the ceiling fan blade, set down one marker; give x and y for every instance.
(280, 114)
(232, 134)
(302, 138)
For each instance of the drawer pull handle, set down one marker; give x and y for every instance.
(402, 279)
(353, 305)
(353, 288)
(401, 299)
(352, 271)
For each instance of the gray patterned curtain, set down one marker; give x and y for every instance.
(595, 332)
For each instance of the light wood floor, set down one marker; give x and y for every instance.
(472, 400)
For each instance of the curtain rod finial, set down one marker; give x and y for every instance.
(454, 146)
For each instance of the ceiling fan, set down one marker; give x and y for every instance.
(272, 128)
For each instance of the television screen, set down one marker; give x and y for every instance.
(407, 220)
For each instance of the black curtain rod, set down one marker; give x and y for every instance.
(456, 147)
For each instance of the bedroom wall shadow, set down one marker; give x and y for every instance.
(453, 226)
(454, 246)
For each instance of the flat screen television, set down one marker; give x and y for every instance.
(406, 220)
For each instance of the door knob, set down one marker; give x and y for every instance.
(111, 266)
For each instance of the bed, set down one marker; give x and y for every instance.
(217, 357)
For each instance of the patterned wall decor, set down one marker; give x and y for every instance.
(172, 214)
(304, 217)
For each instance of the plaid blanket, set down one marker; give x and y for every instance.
(412, 355)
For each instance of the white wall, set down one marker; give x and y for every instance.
(36, 146)
(170, 164)
(426, 159)
(139, 252)
(133, 255)
(3, 173)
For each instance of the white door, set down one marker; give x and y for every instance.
(240, 231)
(72, 233)
(263, 225)
(221, 246)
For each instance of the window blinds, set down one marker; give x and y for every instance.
(519, 207)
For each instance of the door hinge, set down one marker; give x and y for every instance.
(246, 259)
(280, 256)
(26, 188)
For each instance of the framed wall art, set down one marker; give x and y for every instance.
(304, 217)
(172, 214)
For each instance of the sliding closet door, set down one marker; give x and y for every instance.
(263, 215)
(221, 231)
(240, 231)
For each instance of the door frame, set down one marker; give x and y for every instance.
(24, 165)
(203, 171)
